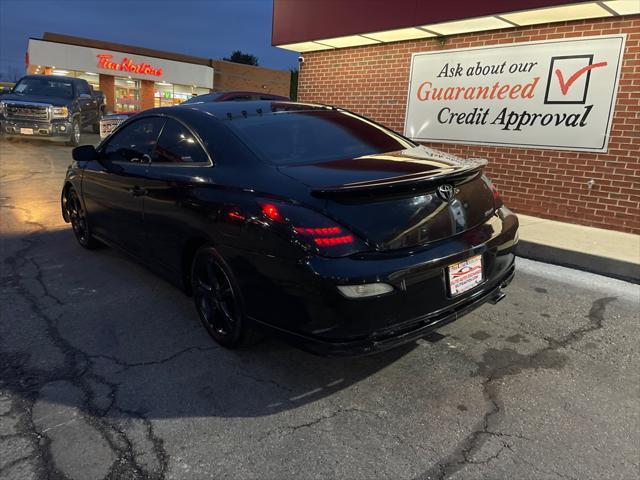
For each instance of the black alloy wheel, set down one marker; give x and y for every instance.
(217, 299)
(76, 215)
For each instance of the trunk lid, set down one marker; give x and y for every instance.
(392, 199)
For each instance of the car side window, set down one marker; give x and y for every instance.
(134, 141)
(177, 145)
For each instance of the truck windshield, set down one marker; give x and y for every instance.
(45, 86)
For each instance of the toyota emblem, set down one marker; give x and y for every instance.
(446, 192)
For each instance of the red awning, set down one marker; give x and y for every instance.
(305, 20)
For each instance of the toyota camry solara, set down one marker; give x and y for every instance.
(305, 221)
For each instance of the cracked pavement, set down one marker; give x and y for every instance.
(105, 373)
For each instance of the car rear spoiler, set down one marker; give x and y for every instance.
(405, 183)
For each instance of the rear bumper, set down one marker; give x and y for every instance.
(418, 328)
(299, 299)
(54, 130)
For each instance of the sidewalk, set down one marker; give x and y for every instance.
(607, 252)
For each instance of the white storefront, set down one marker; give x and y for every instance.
(129, 81)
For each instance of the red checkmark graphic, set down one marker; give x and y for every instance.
(564, 86)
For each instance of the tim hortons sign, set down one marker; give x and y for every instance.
(556, 94)
(127, 65)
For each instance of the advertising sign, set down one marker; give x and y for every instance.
(557, 94)
(106, 62)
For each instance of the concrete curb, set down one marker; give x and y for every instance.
(609, 267)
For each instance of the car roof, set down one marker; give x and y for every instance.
(241, 92)
(230, 95)
(242, 109)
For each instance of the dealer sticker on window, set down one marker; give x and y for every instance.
(465, 275)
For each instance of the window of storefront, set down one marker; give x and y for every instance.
(185, 92)
(92, 78)
(167, 94)
(127, 95)
(163, 94)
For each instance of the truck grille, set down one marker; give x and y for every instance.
(31, 111)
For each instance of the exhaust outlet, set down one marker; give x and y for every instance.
(497, 297)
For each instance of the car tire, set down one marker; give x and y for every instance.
(76, 214)
(218, 300)
(75, 134)
(96, 127)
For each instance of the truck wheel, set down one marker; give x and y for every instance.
(75, 133)
(96, 126)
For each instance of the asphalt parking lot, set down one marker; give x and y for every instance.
(107, 373)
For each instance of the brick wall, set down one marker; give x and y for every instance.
(107, 86)
(236, 76)
(147, 90)
(372, 80)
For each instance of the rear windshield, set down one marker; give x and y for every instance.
(291, 138)
(45, 86)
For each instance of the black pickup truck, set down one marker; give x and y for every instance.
(52, 107)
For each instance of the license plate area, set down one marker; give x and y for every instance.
(465, 275)
(26, 131)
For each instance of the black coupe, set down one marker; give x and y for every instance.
(306, 221)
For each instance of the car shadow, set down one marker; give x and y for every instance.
(100, 323)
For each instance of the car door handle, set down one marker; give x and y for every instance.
(137, 191)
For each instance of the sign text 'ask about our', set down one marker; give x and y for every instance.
(554, 94)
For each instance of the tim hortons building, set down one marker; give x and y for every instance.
(136, 78)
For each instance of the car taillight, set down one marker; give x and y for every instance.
(272, 212)
(311, 229)
(496, 195)
(318, 231)
(497, 199)
(332, 241)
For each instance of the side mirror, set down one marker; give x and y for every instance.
(84, 153)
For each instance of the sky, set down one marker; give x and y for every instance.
(205, 28)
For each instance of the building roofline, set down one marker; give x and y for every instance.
(216, 64)
(310, 25)
(119, 47)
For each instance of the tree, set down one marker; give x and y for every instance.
(238, 57)
(11, 74)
